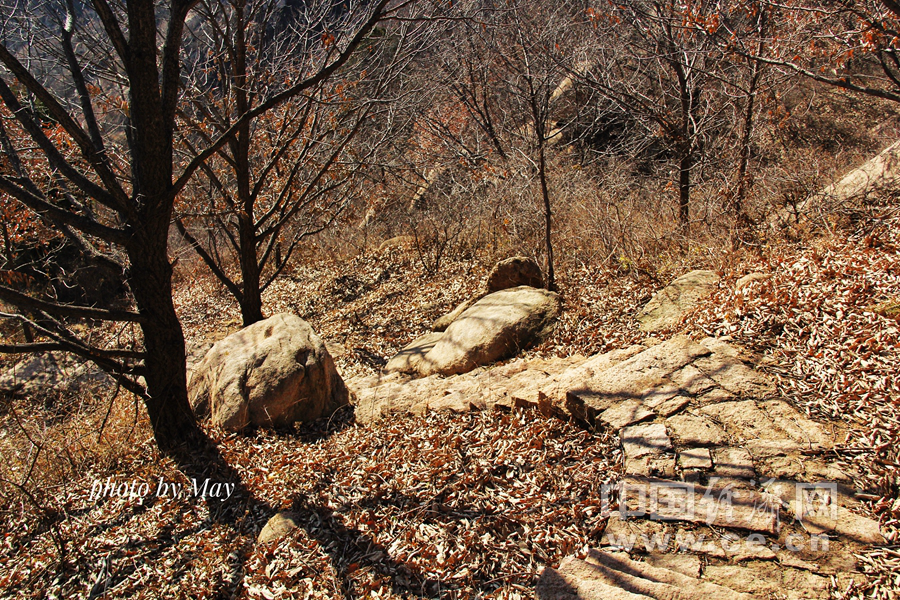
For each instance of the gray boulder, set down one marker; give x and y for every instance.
(41, 374)
(270, 374)
(514, 272)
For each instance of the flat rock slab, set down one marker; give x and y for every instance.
(770, 580)
(680, 501)
(626, 413)
(514, 385)
(733, 463)
(769, 427)
(613, 576)
(690, 430)
(639, 376)
(666, 378)
(651, 465)
(695, 458)
(640, 440)
(671, 303)
(818, 508)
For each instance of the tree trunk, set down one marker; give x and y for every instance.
(251, 299)
(684, 189)
(150, 273)
(548, 217)
(174, 424)
(742, 220)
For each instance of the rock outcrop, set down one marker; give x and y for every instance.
(270, 374)
(51, 372)
(442, 323)
(410, 358)
(672, 302)
(495, 327)
(722, 478)
(498, 326)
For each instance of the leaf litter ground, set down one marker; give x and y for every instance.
(461, 506)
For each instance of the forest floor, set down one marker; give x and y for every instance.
(450, 506)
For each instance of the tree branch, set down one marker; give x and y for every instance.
(25, 301)
(323, 74)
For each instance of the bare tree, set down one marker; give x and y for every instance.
(502, 74)
(656, 61)
(100, 168)
(288, 174)
(850, 44)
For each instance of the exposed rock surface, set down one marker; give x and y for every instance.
(669, 304)
(513, 272)
(495, 327)
(442, 323)
(270, 374)
(876, 174)
(613, 575)
(409, 359)
(701, 428)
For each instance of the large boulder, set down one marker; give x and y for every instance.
(672, 302)
(496, 327)
(410, 358)
(270, 374)
(514, 272)
(444, 322)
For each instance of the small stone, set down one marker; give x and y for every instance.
(280, 525)
(651, 465)
(750, 278)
